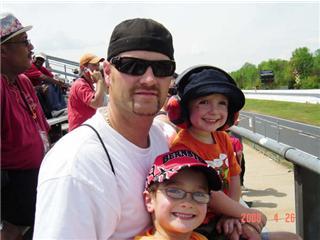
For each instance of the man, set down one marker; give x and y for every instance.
(53, 103)
(83, 98)
(24, 130)
(80, 194)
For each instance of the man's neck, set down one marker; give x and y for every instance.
(10, 78)
(133, 127)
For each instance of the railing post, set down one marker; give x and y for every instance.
(298, 199)
(65, 70)
(307, 196)
(278, 132)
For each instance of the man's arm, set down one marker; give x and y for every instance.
(101, 90)
(48, 79)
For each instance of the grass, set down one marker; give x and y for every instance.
(298, 112)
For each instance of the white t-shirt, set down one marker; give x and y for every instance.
(79, 197)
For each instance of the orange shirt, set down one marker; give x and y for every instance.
(148, 236)
(220, 154)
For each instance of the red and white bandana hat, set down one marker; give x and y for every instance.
(10, 27)
(169, 164)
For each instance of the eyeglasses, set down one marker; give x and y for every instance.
(26, 42)
(137, 66)
(176, 193)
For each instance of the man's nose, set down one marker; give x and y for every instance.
(148, 77)
(30, 46)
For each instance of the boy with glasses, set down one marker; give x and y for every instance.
(177, 195)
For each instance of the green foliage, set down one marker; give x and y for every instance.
(302, 61)
(302, 71)
(310, 82)
(316, 63)
(247, 76)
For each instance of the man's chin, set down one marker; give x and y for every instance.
(146, 109)
(145, 113)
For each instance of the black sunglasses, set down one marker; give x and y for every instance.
(177, 193)
(26, 42)
(137, 66)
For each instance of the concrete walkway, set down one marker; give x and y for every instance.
(270, 186)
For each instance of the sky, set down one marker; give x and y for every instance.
(225, 34)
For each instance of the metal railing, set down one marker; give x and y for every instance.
(307, 140)
(306, 177)
(62, 67)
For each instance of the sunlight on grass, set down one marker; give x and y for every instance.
(298, 112)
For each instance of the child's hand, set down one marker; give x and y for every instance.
(228, 225)
(249, 232)
(258, 225)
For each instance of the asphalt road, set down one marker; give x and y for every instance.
(301, 136)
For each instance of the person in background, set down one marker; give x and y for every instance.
(238, 147)
(177, 195)
(89, 189)
(24, 132)
(49, 89)
(170, 130)
(84, 99)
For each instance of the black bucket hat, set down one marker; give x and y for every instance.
(204, 80)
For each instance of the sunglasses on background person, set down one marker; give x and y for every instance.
(137, 66)
(26, 42)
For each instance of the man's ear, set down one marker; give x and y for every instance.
(106, 71)
(148, 201)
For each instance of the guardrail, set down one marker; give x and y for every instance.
(311, 96)
(306, 177)
(284, 131)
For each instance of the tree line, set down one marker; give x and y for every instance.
(302, 71)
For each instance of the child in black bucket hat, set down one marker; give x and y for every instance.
(208, 102)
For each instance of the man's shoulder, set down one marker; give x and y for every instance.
(71, 155)
(80, 82)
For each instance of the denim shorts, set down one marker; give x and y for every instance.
(264, 236)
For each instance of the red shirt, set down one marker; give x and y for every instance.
(236, 144)
(79, 110)
(21, 143)
(33, 73)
